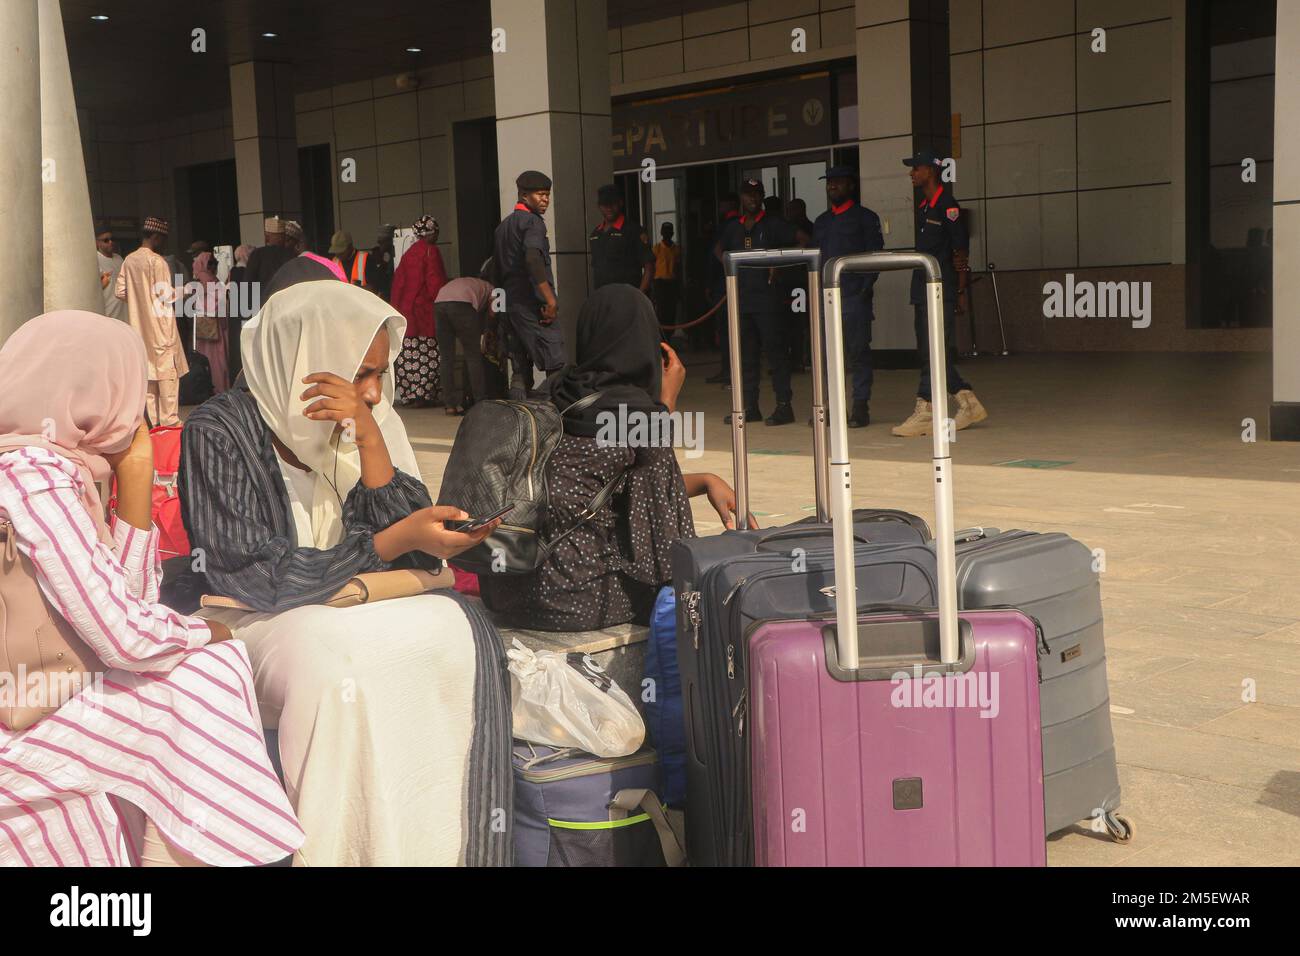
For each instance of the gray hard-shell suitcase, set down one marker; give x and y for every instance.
(1051, 578)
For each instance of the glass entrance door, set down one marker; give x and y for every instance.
(806, 184)
(792, 177)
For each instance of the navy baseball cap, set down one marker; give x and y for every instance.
(923, 157)
(608, 195)
(840, 172)
(752, 186)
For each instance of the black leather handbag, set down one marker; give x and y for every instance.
(499, 458)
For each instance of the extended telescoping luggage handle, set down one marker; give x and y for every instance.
(732, 263)
(846, 612)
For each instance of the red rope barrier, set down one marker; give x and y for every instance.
(694, 322)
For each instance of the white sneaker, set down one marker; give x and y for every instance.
(918, 424)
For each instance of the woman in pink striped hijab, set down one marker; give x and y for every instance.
(158, 758)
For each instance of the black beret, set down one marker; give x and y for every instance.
(530, 180)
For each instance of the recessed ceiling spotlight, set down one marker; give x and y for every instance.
(270, 36)
(98, 16)
(413, 49)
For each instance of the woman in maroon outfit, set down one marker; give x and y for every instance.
(416, 282)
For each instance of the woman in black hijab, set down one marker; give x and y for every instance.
(619, 356)
(609, 570)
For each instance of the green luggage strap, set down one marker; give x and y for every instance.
(626, 801)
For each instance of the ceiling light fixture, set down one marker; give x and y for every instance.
(270, 36)
(98, 16)
(413, 49)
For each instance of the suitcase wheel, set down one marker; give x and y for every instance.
(1120, 828)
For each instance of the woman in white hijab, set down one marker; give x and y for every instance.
(393, 718)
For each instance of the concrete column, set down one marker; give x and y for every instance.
(71, 268)
(903, 106)
(20, 158)
(1285, 415)
(552, 107)
(266, 145)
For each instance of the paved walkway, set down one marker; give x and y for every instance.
(1201, 533)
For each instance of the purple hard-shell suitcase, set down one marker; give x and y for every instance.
(904, 737)
(842, 776)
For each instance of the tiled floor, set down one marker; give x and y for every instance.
(1201, 534)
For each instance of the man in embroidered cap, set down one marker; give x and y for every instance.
(523, 264)
(294, 240)
(145, 285)
(266, 260)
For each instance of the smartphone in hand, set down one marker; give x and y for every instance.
(473, 524)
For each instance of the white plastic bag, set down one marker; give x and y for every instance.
(567, 700)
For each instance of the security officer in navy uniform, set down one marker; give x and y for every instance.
(763, 309)
(620, 249)
(728, 209)
(940, 231)
(522, 252)
(847, 228)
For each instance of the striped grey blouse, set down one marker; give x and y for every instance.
(234, 506)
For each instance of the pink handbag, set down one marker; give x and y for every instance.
(43, 663)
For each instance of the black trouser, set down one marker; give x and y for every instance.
(955, 382)
(765, 334)
(724, 336)
(857, 318)
(667, 292)
(531, 343)
(459, 322)
(797, 338)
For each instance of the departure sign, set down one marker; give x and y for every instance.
(723, 123)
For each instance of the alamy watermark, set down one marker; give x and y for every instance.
(633, 428)
(42, 690)
(1101, 300)
(974, 689)
(133, 911)
(213, 299)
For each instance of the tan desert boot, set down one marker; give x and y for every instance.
(969, 410)
(918, 424)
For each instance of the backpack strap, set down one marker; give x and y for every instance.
(585, 402)
(597, 502)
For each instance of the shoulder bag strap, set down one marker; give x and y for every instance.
(647, 802)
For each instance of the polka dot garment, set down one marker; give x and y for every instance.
(609, 570)
(416, 370)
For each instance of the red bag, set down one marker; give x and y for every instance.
(166, 510)
(466, 581)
